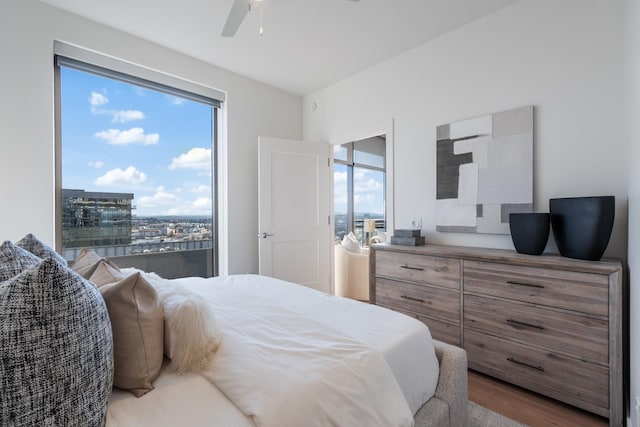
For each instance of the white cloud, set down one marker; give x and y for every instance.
(164, 202)
(368, 191)
(126, 115)
(340, 194)
(176, 100)
(97, 99)
(201, 189)
(196, 158)
(201, 206)
(97, 164)
(340, 178)
(131, 136)
(121, 116)
(368, 185)
(121, 178)
(161, 198)
(202, 202)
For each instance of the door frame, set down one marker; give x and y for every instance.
(363, 132)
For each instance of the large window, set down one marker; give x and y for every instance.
(136, 171)
(359, 186)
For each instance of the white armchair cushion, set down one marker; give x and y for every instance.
(350, 243)
(351, 273)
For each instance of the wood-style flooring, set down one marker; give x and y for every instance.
(527, 407)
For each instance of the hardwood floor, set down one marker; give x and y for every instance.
(527, 407)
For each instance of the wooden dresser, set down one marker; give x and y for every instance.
(546, 323)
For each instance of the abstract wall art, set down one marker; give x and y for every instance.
(484, 171)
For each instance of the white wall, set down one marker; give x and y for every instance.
(564, 57)
(27, 31)
(632, 136)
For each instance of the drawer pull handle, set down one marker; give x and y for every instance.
(408, 267)
(537, 368)
(531, 285)
(517, 322)
(411, 298)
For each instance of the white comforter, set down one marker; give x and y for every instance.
(288, 358)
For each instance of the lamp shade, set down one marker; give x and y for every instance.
(369, 225)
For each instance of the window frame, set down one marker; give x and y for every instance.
(350, 163)
(92, 62)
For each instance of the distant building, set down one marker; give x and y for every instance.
(95, 219)
(149, 233)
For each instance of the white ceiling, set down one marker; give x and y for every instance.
(307, 44)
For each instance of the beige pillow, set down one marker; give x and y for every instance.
(138, 333)
(87, 261)
(106, 273)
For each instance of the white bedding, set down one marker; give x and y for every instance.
(366, 331)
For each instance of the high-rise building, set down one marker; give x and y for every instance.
(95, 218)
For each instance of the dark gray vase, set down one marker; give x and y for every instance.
(582, 225)
(529, 232)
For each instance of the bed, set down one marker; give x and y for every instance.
(431, 375)
(233, 351)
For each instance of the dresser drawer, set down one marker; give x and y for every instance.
(418, 299)
(559, 330)
(574, 381)
(419, 268)
(584, 292)
(441, 331)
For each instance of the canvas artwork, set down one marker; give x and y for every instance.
(484, 171)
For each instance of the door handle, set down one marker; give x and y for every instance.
(264, 235)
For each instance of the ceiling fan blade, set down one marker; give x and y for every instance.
(237, 13)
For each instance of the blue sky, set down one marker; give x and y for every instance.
(117, 137)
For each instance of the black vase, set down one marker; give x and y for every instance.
(582, 225)
(529, 232)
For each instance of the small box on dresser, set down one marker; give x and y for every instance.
(407, 241)
(546, 323)
(406, 237)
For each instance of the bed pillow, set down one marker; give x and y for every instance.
(55, 337)
(14, 260)
(138, 333)
(106, 273)
(191, 332)
(351, 243)
(40, 249)
(87, 261)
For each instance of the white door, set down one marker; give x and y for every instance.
(294, 212)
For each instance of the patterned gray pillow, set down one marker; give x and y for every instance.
(56, 363)
(14, 260)
(39, 249)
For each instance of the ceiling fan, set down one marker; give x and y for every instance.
(238, 11)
